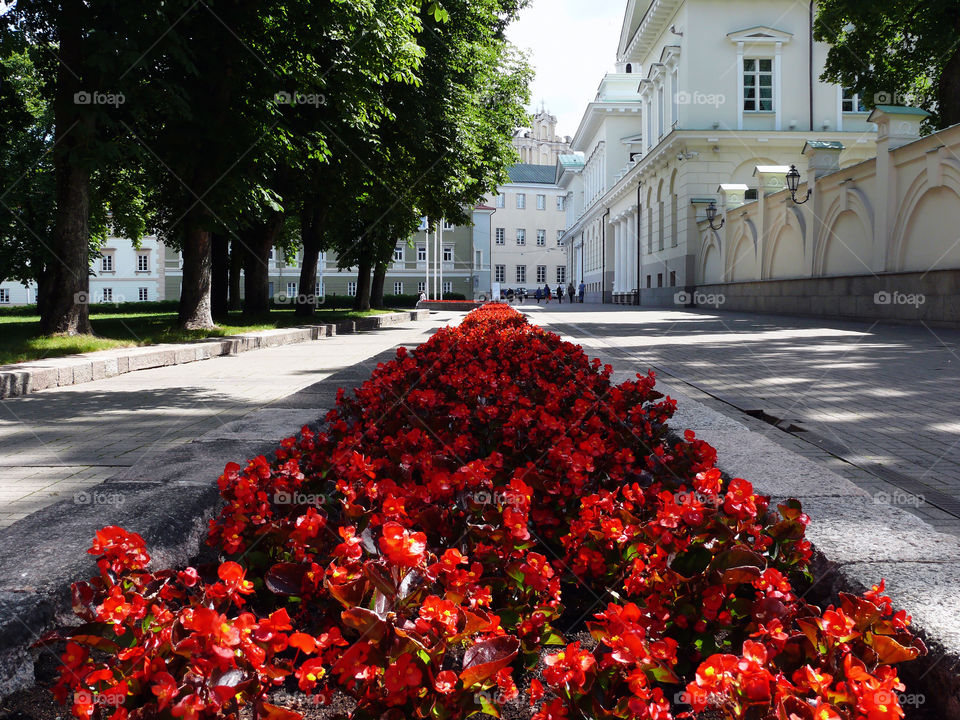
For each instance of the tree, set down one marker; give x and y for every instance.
(897, 48)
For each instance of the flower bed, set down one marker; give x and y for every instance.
(417, 555)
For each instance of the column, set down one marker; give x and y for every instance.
(617, 256)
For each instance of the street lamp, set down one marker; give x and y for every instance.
(793, 182)
(712, 215)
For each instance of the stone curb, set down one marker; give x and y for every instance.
(21, 379)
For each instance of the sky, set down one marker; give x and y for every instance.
(572, 44)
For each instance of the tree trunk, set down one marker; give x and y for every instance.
(376, 289)
(260, 239)
(310, 236)
(236, 265)
(197, 276)
(948, 92)
(220, 283)
(362, 301)
(64, 284)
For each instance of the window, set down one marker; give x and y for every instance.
(106, 263)
(500, 273)
(852, 102)
(541, 202)
(501, 200)
(659, 280)
(521, 236)
(447, 225)
(501, 236)
(143, 262)
(351, 288)
(478, 258)
(5, 295)
(448, 254)
(758, 84)
(521, 201)
(421, 253)
(673, 278)
(108, 295)
(648, 282)
(561, 274)
(561, 202)
(421, 287)
(541, 238)
(559, 237)
(398, 288)
(447, 287)
(521, 273)
(398, 254)
(291, 289)
(541, 274)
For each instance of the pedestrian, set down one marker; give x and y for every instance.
(547, 293)
(423, 296)
(582, 290)
(509, 295)
(538, 294)
(560, 293)
(571, 292)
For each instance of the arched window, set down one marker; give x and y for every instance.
(629, 68)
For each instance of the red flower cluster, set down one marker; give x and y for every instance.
(421, 543)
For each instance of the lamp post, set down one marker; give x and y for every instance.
(712, 215)
(793, 183)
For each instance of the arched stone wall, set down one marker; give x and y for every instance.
(711, 263)
(786, 253)
(742, 254)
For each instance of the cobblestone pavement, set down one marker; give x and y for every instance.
(56, 443)
(878, 403)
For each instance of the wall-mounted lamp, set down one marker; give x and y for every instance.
(712, 215)
(793, 183)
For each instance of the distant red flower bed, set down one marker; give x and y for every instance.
(415, 556)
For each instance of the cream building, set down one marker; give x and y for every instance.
(527, 230)
(704, 92)
(540, 144)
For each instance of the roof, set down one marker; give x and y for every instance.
(571, 160)
(900, 110)
(524, 173)
(824, 145)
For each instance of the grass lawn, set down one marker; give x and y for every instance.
(128, 326)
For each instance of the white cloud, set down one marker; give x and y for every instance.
(572, 43)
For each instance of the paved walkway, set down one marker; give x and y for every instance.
(880, 404)
(56, 444)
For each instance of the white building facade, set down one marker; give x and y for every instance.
(124, 272)
(705, 91)
(527, 230)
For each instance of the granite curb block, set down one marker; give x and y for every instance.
(21, 379)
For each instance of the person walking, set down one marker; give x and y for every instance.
(538, 294)
(571, 292)
(547, 293)
(560, 293)
(582, 291)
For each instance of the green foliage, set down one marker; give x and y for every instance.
(895, 52)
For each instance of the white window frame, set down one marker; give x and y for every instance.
(521, 273)
(106, 295)
(541, 238)
(500, 273)
(765, 43)
(541, 274)
(500, 236)
(352, 288)
(521, 201)
(521, 236)
(561, 274)
(758, 74)
(448, 253)
(501, 200)
(561, 203)
(291, 289)
(398, 288)
(5, 296)
(541, 202)
(447, 287)
(398, 254)
(143, 262)
(107, 263)
(421, 253)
